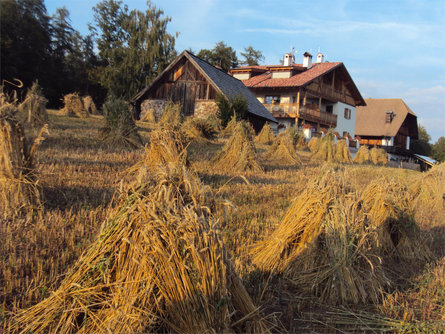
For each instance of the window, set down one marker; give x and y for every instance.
(273, 99)
(347, 113)
(329, 109)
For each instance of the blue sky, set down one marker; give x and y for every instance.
(391, 48)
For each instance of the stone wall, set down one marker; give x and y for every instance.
(204, 109)
(158, 107)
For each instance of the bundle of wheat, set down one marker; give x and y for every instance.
(159, 265)
(172, 115)
(378, 156)
(231, 126)
(338, 243)
(89, 105)
(325, 148)
(149, 116)
(313, 144)
(283, 151)
(266, 135)
(198, 129)
(34, 106)
(215, 121)
(119, 128)
(239, 153)
(19, 192)
(342, 152)
(297, 137)
(74, 106)
(363, 155)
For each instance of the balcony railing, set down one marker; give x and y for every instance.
(310, 112)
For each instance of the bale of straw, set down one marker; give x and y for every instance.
(283, 151)
(172, 115)
(73, 106)
(363, 155)
(313, 144)
(158, 265)
(266, 135)
(342, 245)
(198, 130)
(342, 152)
(89, 105)
(119, 128)
(239, 153)
(19, 191)
(378, 156)
(34, 106)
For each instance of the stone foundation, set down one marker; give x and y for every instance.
(203, 109)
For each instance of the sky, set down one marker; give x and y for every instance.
(391, 48)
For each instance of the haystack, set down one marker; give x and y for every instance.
(159, 265)
(119, 128)
(239, 153)
(313, 144)
(341, 245)
(283, 151)
(74, 106)
(297, 137)
(363, 155)
(326, 148)
(34, 106)
(198, 129)
(228, 130)
(378, 156)
(342, 152)
(266, 135)
(149, 116)
(19, 191)
(88, 104)
(172, 115)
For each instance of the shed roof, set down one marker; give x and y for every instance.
(371, 119)
(221, 81)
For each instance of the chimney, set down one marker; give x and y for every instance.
(307, 60)
(320, 57)
(288, 59)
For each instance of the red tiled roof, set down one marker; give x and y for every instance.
(297, 80)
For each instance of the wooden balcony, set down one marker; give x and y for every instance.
(309, 112)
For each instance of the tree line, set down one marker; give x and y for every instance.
(122, 53)
(423, 145)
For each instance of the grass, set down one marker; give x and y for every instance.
(79, 175)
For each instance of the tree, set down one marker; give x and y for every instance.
(421, 145)
(234, 106)
(251, 56)
(134, 47)
(221, 55)
(439, 149)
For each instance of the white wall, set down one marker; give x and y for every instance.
(389, 141)
(344, 124)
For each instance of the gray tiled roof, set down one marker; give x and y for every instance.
(231, 87)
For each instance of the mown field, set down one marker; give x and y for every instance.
(79, 176)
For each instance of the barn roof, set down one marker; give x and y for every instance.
(221, 81)
(371, 119)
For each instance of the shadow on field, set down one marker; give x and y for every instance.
(76, 197)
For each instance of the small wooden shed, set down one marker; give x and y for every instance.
(195, 83)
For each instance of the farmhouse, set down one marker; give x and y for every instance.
(317, 95)
(387, 123)
(195, 83)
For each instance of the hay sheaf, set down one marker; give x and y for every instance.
(325, 150)
(230, 127)
(198, 129)
(363, 155)
(34, 106)
(149, 116)
(313, 144)
(342, 152)
(283, 151)
(172, 115)
(159, 265)
(89, 105)
(266, 135)
(239, 153)
(297, 137)
(379, 156)
(73, 106)
(19, 190)
(342, 245)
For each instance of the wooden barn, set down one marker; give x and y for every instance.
(195, 83)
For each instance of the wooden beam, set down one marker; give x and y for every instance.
(333, 79)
